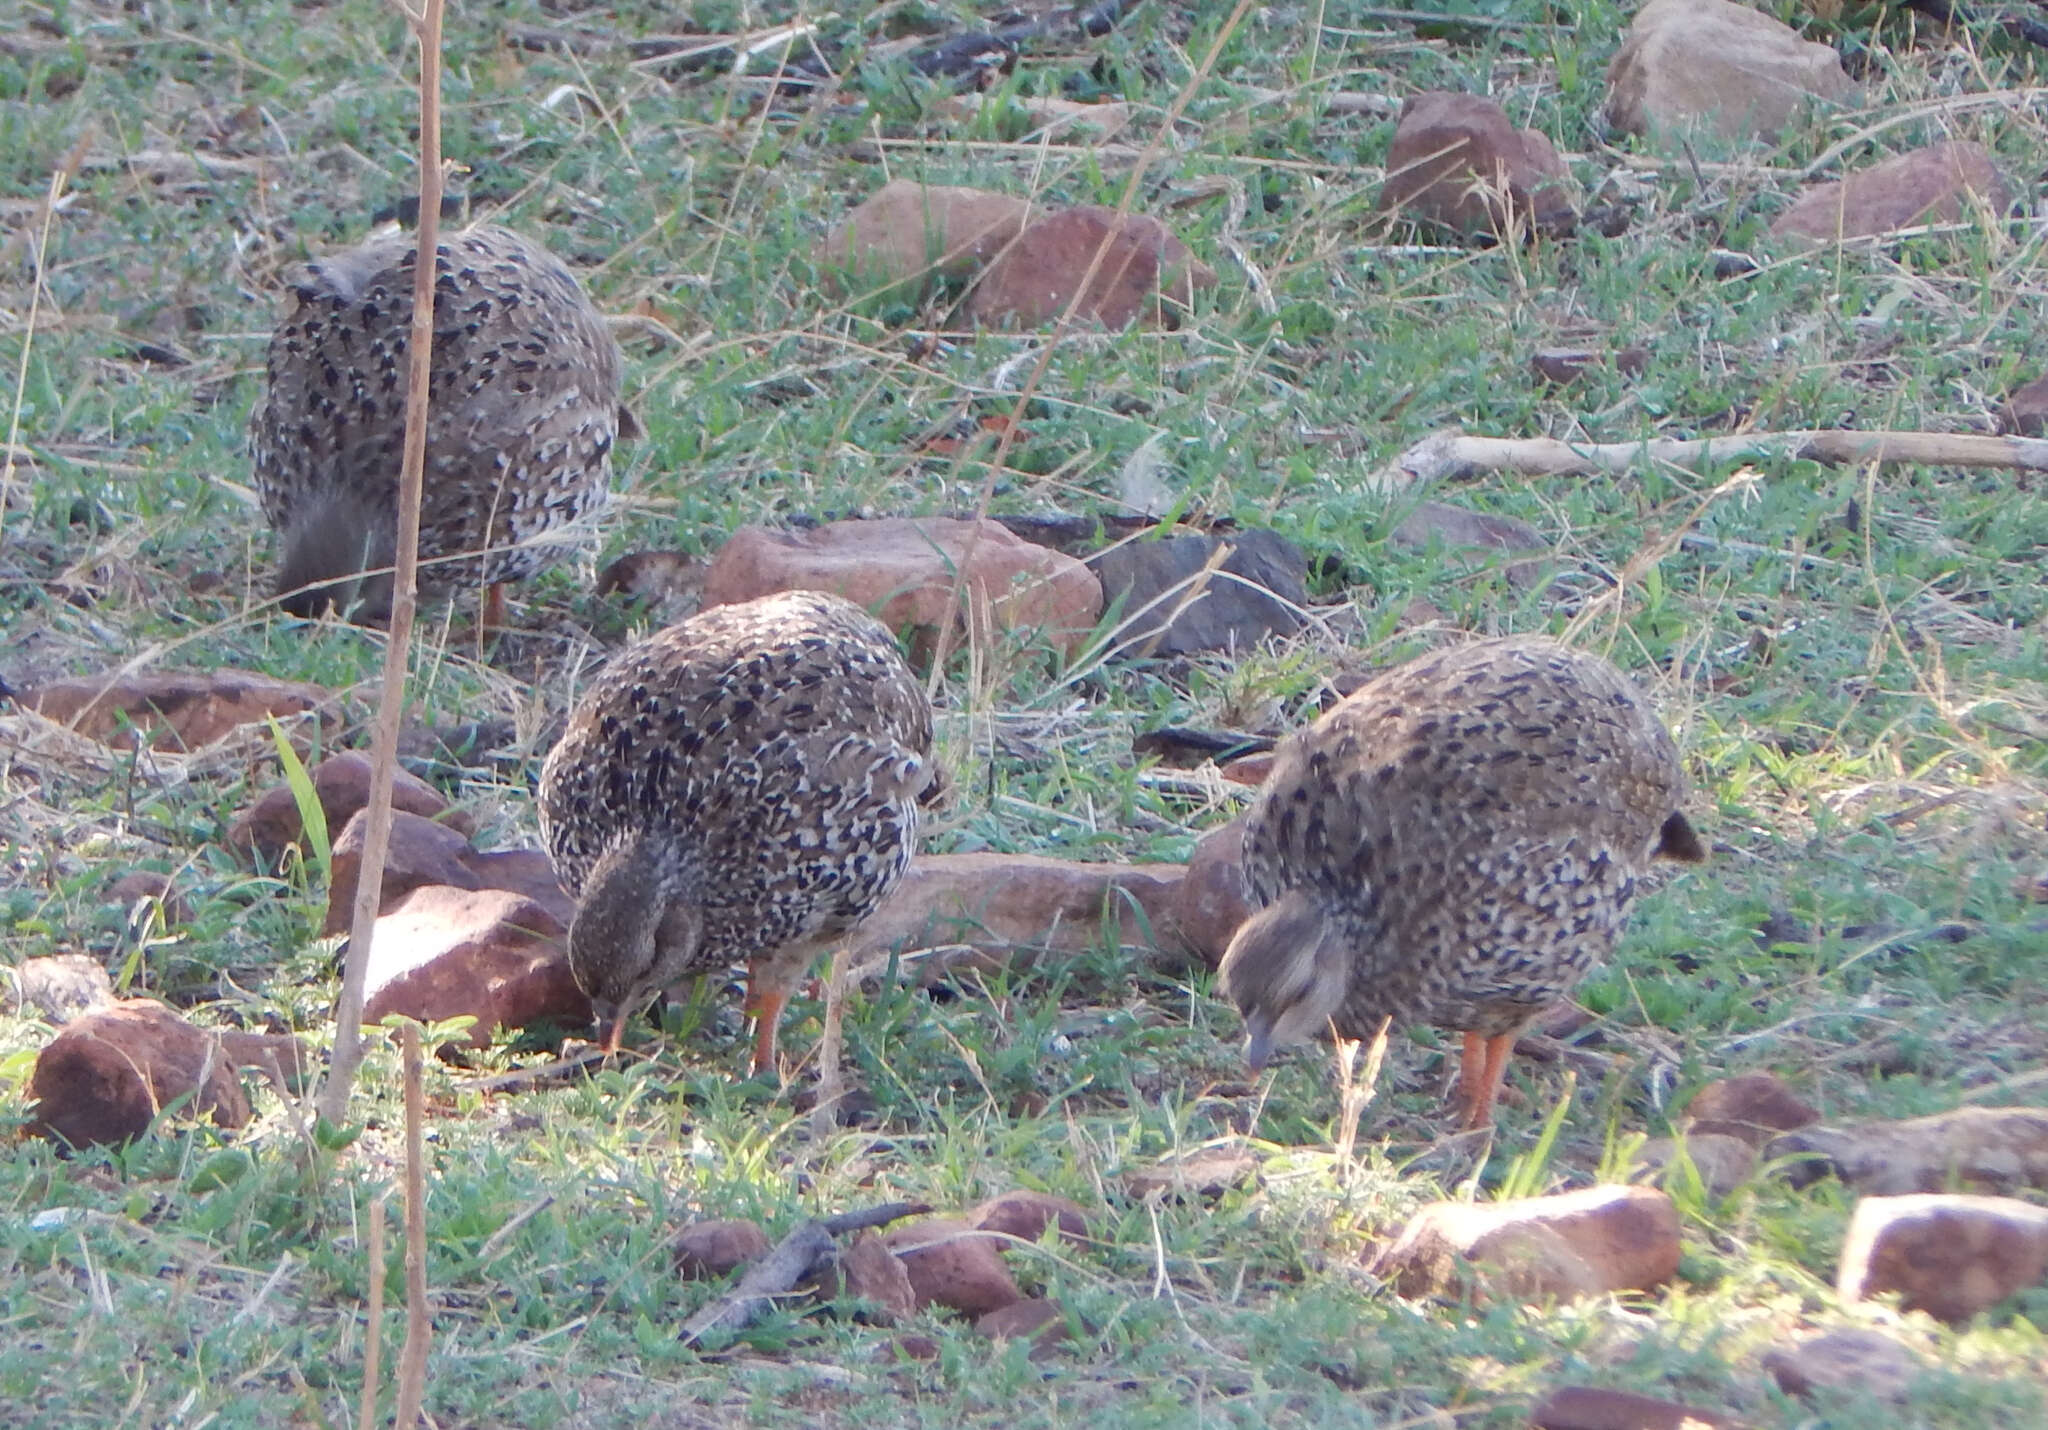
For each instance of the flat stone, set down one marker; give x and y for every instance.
(283, 1057)
(1458, 161)
(175, 710)
(869, 1270)
(1573, 1244)
(1754, 1107)
(1848, 1361)
(1720, 67)
(1255, 591)
(904, 570)
(445, 952)
(1042, 1321)
(1723, 1163)
(1949, 1254)
(713, 1250)
(341, 782)
(906, 235)
(2025, 412)
(1940, 183)
(139, 884)
(953, 1265)
(1988, 1149)
(61, 988)
(1212, 899)
(106, 1076)
(1564, 366)
(420, 852)
(1145, 273)
(1585, 1407)
(1458, 529)
(1026, 1214)
(1206, 1174)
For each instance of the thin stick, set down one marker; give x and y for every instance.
(831, 1048)
(785, 1268)
(348, 1014)
(419, 1330)
(373, 1345)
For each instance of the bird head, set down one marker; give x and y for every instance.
(338, 554)
(1287, 970)
(636, 931)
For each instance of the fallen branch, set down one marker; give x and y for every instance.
(1450, 454)
(788, 1266)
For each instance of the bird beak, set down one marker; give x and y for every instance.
(1258, 1044)
(615, 1027)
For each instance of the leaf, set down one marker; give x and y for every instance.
(312, 814)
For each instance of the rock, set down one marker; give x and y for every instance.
(1849, 1361)
(1043, 1321)
(1433, 522)
(443, 952)
(282, 1057)
(1585, 1407)
(529, 873)
(1249, 770)
(952, 1265)
(1010, 902)
(1052, 116)
(139, 884)
(2025, 411)
(107, 1075)
(911, 234)
(59, 989)
(1561, 366)
(1026, 1214)
(1941, 183)
(1457, 160)
(1717, 65)
(1751, 1106)
(655, 577)
(1212, 898)
(1722, 1162)
(1583, 1243)
(1949, 1255)
(342, 785)
(903, 569)
(1031, 282)
(913, 1347)
(177, 710)
(420, 852)
(1153, 578)
(1208, 1174)
(870, 1271)
(1991, 1149)
(712, 1250)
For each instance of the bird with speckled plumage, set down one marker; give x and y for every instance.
(1454, 844)
(523, 412)
(741, 787)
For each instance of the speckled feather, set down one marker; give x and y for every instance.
(1471, 827)
(524, 411)
(777, 748)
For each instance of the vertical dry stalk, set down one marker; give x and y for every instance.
(831, 1070)
(412, 1360)
(348, 1013)
(373, 1344)
(45, 215)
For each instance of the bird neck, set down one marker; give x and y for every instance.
(328, 547)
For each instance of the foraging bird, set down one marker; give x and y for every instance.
(741, 786)
(523, 411)
(1454, 844)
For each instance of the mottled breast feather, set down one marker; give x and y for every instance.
(1474, 823)
(783, 743)
(524, 407)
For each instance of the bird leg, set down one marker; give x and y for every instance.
(1485, 1064)
(493, 616)
(766, 998)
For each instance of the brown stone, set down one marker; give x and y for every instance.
(651, 576)
(420, 852)
(1256, 590)
(1562, 366)
(1585, 1407)
(1941, 183)
(1043, 1321)
(910, 233)
(1723, 1163)
(139, 884)
(1206, 1174)
(904, 569)
(1457, 160)
(283, 1057)
(1573, 1244)
(1249, 770)
(1720, 66)
(1034, 279)
(107, 1075)
(869, 1270)
(1990, 1149)
(912, 1347)
(1458, 529)
(1949, 1255)
(1026, 1214)
(1213, 898)
(2025, 412)
(342, 785)
(712, 1250)
(61, 988)
(1851, 1361)
(444, 952)
(952, 1265)
(1752, 1106)
(177, 710)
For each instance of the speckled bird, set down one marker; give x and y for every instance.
(1455, 844)
(523, 413)
(741, 787)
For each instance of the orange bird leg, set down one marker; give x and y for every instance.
(616, 1032)
(765, 1000)
(492, 616)
(1485, 1064)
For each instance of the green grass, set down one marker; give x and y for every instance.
(1856, 664)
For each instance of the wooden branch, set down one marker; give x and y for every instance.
(373, 1331)
(1450, 454)
(348, 1013)
(419, 1324)
(794, 1261)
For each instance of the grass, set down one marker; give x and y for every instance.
(1853, 660)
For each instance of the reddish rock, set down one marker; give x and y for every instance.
(420, 852)
(342, 785)
(1206, 1174)
(59, 989)
(139, 884)
(1991, 1149)
(1212, 898)
(2025, 412)
(282, 1057)
(529, 873)
(1949, 1255)
(911, 233)
(107, 1075)
(1026, 1214)
(1849, 1361)
(1457, 160)
(1249, 770)
(444, 952)
(1031, 282)
(904, 568)
(1584, 1407)
(1562, 366)
(1719, 66)
(1582, 1243)
(1941, 183)
(1256, 590)
(712, 1250)
(177, 710)
(911, 1348)
(1043, 1321)
(1754, 1107)
(1722, 1163)
(869, 1270)
(951, 1264)
(1432, 523)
